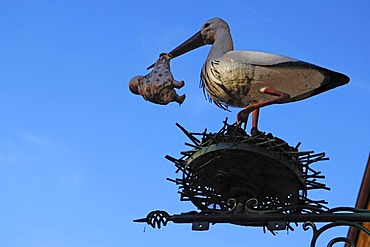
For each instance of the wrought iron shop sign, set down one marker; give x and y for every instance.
(254, 179)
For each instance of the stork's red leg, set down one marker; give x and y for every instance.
(242, 116)
(255, 115)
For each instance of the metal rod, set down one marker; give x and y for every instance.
(259, 218)
(265, 219)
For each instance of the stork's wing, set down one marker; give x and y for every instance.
(331, 79)
(258, 58)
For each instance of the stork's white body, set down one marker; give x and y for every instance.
(235, 77)
(253, 79)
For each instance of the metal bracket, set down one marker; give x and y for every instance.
(276, 225)
(200, 226)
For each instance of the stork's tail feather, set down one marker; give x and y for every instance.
(334, 79)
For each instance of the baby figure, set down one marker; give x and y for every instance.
(159, 85)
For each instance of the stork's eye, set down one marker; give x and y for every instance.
(207, 25)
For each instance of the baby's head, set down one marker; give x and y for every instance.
(134, 84)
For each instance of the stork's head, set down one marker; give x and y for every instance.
(206, 35)
(210, 27)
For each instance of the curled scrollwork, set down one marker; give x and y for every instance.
(157, 218)
(341, 239)
(233, 204)
(308, 224)
(252, 206)
(317, 232)
(243, 206)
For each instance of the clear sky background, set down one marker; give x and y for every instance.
(81, 157)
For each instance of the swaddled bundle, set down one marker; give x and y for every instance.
(159, 85)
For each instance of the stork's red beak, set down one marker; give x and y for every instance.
(192, 43)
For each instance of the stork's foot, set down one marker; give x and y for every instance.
(255, 132)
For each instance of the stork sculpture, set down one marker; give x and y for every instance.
(252, 79)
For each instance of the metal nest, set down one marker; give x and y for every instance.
(231, 171)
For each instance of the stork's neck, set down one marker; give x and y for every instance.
(223, 43)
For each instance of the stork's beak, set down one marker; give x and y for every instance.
(192, 43)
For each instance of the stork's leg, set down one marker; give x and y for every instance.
(255, 115)
(242, 116)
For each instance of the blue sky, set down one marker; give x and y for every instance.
(81, 157)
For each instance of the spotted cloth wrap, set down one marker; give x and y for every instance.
(159, 85)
